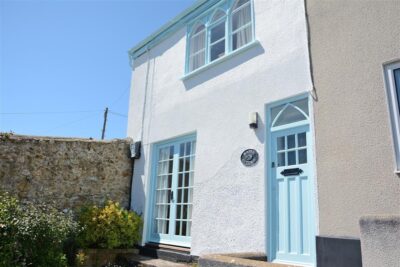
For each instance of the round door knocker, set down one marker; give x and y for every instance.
(249, 157)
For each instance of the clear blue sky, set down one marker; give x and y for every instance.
(69, 58)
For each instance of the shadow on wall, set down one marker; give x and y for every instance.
(224, 66)
(259, 132)
(138, 199)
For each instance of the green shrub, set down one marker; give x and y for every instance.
(110, 226)
(32, 235)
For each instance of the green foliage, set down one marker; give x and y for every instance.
(32, 235)
(108, 227)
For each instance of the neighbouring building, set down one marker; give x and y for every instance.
(355, 58)
(268, 126)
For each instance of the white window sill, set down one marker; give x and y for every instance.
(220, 60)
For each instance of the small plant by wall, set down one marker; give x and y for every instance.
(108, 227)
(108, 233)
(33, 235)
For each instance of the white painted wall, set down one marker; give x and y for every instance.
(229, 199)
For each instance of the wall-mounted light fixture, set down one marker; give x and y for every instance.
(253, 120)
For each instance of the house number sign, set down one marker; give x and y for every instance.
(249, 157)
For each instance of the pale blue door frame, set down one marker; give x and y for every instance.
(291, 222)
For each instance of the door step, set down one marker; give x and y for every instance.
(143, 261)
(231, 260)
(168, 253)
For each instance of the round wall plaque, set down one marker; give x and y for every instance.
(249, 157)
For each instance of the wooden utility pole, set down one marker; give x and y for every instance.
(104, 124)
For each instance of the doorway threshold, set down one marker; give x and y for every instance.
(239, 260)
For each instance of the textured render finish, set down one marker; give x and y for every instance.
(69, 172)
(380, 241)
(350, 40)
(229, 199)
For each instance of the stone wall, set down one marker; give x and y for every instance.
(67, 171)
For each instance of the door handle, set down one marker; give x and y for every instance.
(291, 172)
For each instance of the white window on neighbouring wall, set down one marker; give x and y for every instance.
(392, 80)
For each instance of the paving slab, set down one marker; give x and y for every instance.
(143, 261)
(234, 261)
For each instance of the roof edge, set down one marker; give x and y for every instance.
(196, 9)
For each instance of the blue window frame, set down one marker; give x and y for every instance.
(219, 32)
(392, 79)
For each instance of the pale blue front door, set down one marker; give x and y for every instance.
(291, 186)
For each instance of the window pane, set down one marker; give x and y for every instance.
(281, 143)
(185, 212)
(180, 180)
(217, 50)
(281, 159)
(241, 17)
(181, 164)
(187, 179)
(301, 139)
(197, 43)
(302, 156)
(197, 49)
(289, 115)
(188, 149)
(292, 158)
(291, 141)
(177, 227)
(219, 14)
(197, 61)
(242, 37)
(275, 111)
(165, 153)
(184, 228)
(187, 164)
(218, 32)
(240, 3)
(302, 104)
(396, 74)
(199, 29)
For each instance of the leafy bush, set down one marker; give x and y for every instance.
(32, 235)
(108, 227)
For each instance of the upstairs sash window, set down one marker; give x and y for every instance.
(219, 32)
(242, 26)
(217, 35)
(197, 48)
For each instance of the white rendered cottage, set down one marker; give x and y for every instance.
(195, 84)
